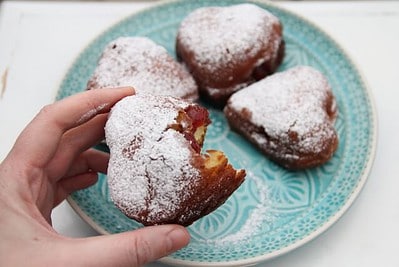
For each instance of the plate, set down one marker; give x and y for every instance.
(275, 210)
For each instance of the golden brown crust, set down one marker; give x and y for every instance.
(238, 121)
(156, 173)
(141, 63)
(214, 187)
(239, 59)
(293, 121)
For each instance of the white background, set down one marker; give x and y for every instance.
(40, 40)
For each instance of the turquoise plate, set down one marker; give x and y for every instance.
(275, 210)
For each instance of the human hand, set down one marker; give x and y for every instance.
(52, 158)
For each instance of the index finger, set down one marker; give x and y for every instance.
(39, 140)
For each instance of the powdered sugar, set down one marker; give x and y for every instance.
(149, 168)
(91, 113)
(259, 215)
(144, 65)
(290, 102)
(219, 36)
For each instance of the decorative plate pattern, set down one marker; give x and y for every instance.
(275, 210)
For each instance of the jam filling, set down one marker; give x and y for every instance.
(192, 123)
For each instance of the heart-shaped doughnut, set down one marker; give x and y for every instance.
(289, 116)
(156, 173)
(141, 63)
(228, 48)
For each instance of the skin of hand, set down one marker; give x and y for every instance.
(52, 158)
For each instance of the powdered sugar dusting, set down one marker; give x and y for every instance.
(293, 101)
(149, 168)
(144, 65)
(219, 36)
(91, 113)
(259, 215)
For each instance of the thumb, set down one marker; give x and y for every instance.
(130, 249)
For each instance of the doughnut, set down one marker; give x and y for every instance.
(156, 172)
(289, 116)
(144, 65)
(228, 48)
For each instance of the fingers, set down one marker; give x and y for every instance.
(39, 141)
(73, 143)
(130, 249)
(71, 184)
(82, 174)
(81, 138)
(90, 160)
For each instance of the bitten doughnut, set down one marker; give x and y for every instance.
(289, 116)
(144, 65)
(156, 172)
(228, 48)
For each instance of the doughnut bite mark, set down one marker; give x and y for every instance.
(228, 48)
(144, 65)
(192, 123)
(289, 116)
(156, 172)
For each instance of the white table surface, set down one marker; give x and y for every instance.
(40, 40)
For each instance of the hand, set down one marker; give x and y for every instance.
(52, 158)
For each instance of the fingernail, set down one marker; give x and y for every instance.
(177, 238)
(127, 87)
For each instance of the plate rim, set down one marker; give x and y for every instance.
(362, 179)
